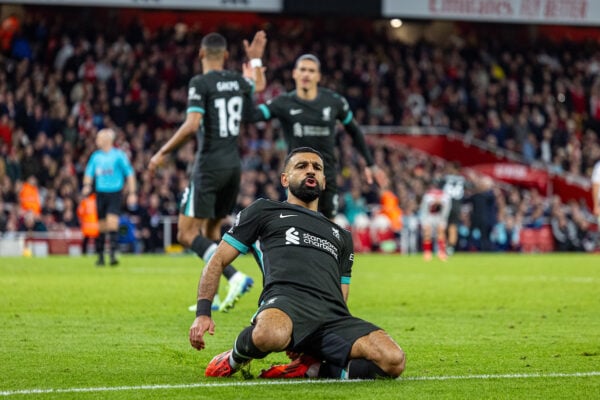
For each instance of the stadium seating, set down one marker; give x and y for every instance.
(537, 240)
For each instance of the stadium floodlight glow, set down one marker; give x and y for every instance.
(396, 22)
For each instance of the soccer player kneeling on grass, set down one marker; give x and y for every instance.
(307, 263)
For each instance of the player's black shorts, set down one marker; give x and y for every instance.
(327, 333)
(211, 194)
(108, 203)
(329, 200)
(454, 214)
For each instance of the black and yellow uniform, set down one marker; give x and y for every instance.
(224, 98)
(304, 259)
(312, 123)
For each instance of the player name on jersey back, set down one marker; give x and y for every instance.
(228, 86)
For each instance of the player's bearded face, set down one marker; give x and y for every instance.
(306, 190)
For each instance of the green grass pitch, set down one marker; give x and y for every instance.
(489, 326)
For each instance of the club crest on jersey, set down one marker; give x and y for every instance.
(327, 114)
(292, 236)
(192, 95)
(298, 130)
(336, 233)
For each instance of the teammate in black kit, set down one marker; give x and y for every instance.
(308, 117)
(218, 100)
(306, 264)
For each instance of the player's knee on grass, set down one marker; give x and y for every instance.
(394, 363)
(382, 350)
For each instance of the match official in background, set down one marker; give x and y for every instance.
(108, 168)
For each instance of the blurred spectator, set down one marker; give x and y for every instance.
(354, 205)
(150, 225)
(564, 231)
(4, 216)
(505, 235)
(30, 222)
(6, 129)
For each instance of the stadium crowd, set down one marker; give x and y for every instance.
(60, 83)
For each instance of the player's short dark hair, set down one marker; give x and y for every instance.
(310, 57)
(213, 44)
(297, 150)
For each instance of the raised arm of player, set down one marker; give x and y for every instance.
(254, 52)
(187, 129)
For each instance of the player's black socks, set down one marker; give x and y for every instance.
(244, 349)
(113, 238)
(100, 245)
(199, 246)
(205, 248)
(229, 271)
(359, 368)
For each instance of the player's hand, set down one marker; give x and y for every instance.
(86, 190)
(155, 162)
(132, 200)
(201, 325)
(378, 175)
(256, 49)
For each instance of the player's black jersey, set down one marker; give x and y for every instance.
(298, 248)
(310, 123)
(225, 99)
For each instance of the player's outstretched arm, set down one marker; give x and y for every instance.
(208, 286)
(187, 129)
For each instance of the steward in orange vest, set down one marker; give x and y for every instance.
(29, 196)
(88, 216)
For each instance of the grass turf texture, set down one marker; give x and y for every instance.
(525, 320)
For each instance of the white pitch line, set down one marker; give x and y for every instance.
(503, 376)
(291, 382)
